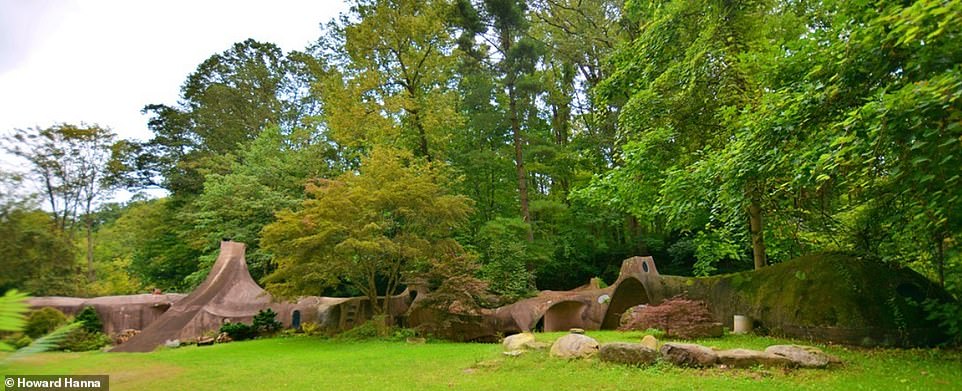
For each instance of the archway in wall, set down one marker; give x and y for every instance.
(296, 319)
(630, 292)
(564, 316)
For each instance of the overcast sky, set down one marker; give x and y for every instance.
(101, 61)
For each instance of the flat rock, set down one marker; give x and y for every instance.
(803, 356)
(650, 341)
(574, 346)
(746, 358)
(517, 341)
(627, 353)
(688, 355)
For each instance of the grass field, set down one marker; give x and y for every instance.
(311, 363)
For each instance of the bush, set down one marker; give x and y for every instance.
(82, 340)
(16, 340)
(238, 331)
(43, 321)
(91, 320)
(678, 317)
(949, 316)
(311, 328)
(376, 328)
(265, 322)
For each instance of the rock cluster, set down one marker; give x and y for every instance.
(574, 346)
(125, 335)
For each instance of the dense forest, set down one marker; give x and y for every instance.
(515, 146)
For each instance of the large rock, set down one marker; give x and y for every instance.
(746, 358)
(627, 353)
(574, 346)
(650, 341)
(517, 341)
(688, 355)
(803, 356)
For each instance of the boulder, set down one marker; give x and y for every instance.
(223, 338)
(627, 353)
(577, 331)
(803, 356)
(205, 341)
(517, 341)
(574, 346)
(650, 341)
(175, 343)
(746, 358)
(688, 355)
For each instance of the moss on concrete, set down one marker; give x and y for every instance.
(827, 296)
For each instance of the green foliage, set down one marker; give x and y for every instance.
(376, 328)
(390, 217)
(13, 306)
(41, 256)
(239, 331)
(43, 321)
(948, 314)
(265, 322)
(91, 321)
(311, 328)
(81, 339)
(507, 258)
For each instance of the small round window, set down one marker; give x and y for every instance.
(644, 266)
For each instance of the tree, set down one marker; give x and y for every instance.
(70, 165)
(512, 55)
(269, 175)
(225, 103)
(397, 64)
(366, 229)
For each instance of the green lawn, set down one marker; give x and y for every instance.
(310, 363)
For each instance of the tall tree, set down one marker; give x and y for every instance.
(69, 163)
(512, 55)
(389, 218)
(401, 63)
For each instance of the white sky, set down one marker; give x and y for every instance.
(101, 61)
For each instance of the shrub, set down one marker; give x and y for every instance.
(678, 317)
(82, 340)
(238, 331)
(16, 340)
(376, 328)
(43, 321)
(91, 320)
(311, 328)
(265, 322)
(949, 316)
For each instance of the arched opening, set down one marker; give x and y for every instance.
(539, 325)
(296, 319)
(630, 292)
(564, 316)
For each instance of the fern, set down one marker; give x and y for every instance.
(47, 342)
(13, 307)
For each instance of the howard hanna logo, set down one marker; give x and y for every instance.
(56, 382)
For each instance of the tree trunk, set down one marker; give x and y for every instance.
(758, 234)
(519, 158)
(91, 272)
